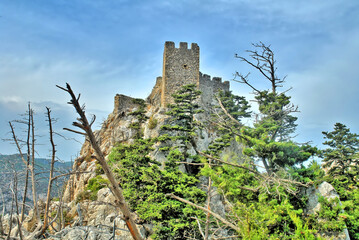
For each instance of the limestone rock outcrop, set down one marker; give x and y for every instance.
(327, 191)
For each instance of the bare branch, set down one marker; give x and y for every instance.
(227, 223)
(74, 131)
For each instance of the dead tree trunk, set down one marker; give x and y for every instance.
(114, 186)
(14, 192)
(10, 220)
(27, 165)
(32, 167)
(49, 186)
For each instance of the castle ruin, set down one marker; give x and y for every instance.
(181, 67)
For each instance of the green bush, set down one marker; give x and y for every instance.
(145, 187)
(99, 169)
(94, 185)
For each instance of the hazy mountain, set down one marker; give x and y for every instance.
(12, 164)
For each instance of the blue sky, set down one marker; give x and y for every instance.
(106, 47)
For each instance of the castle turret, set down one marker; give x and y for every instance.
(180, 67)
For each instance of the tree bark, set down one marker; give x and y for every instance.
(27, 165)
(49, 186)
(32, 167)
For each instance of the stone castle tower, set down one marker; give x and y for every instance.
(181, 67)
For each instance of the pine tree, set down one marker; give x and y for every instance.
(269, 140)
(182, 112)
(341, 156)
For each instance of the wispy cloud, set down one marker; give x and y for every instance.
(34, 78)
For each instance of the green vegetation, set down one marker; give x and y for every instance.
(152, 122)
(261, 183)
(263, 205)
(140, 117)
(182, 123)
(341, 162)
(145, 187)
(93, 186)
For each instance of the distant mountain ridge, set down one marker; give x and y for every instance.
(9, 164)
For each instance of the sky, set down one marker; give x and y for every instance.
(116, 46)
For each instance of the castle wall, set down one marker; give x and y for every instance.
(180, 67)
(123, 103)
(155, 97)
(210, 87)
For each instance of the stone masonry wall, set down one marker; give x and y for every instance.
(209, 88)
(123, 102)
(180, 67)
(155, 97)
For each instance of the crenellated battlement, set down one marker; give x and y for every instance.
(182, 45)
(215, 83)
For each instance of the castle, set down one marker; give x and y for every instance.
(180, 67)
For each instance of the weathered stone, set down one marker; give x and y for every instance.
(327, 191)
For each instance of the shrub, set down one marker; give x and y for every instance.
(145, 187)
(94, 185)
(152, 122)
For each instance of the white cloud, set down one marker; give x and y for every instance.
(34, 79)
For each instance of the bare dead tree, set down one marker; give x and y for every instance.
(27, 164)
(16, 141)
(14, 194)
(49, 186)
(264, 62)
(83, 124)
(262, 59)
(32, 168)
(10, 219)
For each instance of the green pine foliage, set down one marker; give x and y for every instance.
(92, 188)
(182, 125)
(260, 214)
(140, 116)
(341, 157)
(311, 174)
(146, 186)
(262, 209)
(340, 160)
(238, 107)
(182, 113)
